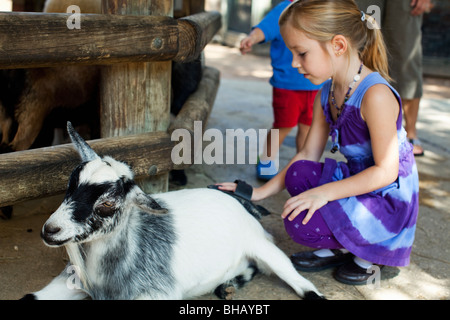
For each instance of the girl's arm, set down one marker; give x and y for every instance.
(380, 110)
(312, 150)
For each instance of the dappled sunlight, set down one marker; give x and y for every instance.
(432, 110)
(5, 5)
(226, 59)
(433, 125)
(436, 88)
(411, 283)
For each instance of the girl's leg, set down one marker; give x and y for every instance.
(301, 176)
(302, 132)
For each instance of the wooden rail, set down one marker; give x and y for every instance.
(32, 174)
(30, 40)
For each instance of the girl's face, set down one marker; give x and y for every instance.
(309, 56)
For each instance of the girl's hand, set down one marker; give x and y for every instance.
(227, 186)
(310, 200)
(231, 186)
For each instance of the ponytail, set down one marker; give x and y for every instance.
(374, 54)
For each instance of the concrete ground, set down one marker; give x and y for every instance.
(244, 101)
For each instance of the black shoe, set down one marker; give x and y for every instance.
(308, 261)
(352, 274)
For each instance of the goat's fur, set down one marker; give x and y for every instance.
(126, 244)
(44, 90)
(86, 6)
(29, 95)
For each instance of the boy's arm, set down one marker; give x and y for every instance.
(255, 36)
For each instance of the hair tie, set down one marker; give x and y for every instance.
(363, 16)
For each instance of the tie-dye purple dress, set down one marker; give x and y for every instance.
(378, 226)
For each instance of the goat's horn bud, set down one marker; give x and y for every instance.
(85, 151)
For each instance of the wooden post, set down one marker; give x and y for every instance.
(135, 97)
(196, 6)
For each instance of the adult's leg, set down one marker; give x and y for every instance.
(403, 35)
(411, 113)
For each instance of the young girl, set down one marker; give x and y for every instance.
(365, 208)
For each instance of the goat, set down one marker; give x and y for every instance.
(28, 96)
(126, 244)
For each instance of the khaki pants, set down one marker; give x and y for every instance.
(403, 37)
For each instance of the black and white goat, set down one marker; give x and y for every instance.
(125, 244)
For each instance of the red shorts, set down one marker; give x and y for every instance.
(291, 107)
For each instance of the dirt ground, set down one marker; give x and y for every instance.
(244, 101)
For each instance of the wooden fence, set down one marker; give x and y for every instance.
(143, 43)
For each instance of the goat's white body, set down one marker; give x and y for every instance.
(215, 235)
(125, 244)
(216, 239)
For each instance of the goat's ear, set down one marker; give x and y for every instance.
(146, 203)
(85, 151)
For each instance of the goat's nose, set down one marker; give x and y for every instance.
(50, 230)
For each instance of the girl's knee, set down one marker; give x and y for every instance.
(303, 175)
(314, 234)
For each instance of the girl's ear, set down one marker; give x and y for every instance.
(339, 44)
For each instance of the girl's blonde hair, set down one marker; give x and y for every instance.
(321, 20)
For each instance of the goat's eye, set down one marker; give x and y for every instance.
(106, 209)
(107, 204)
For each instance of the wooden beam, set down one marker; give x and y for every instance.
(32, 174)
(196, 6)
(196, 31)
(43, 39)
(30, 40)
(142, 104)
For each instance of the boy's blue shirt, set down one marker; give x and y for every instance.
(284, 75)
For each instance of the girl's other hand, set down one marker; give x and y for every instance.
(310, 200)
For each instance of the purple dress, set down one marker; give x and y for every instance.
(378, 226)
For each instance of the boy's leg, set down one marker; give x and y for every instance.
(268, 154)
(306, 100)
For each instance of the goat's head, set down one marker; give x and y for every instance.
(99, 192)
